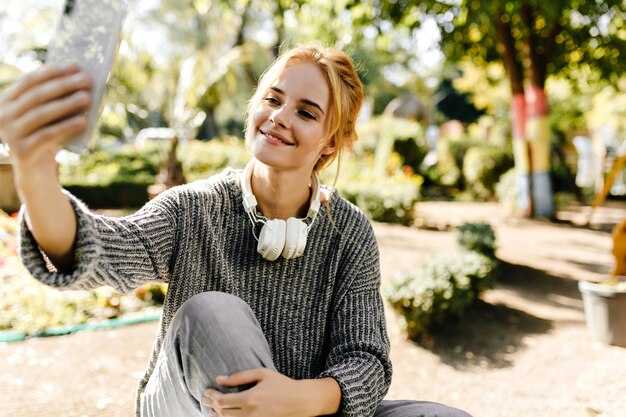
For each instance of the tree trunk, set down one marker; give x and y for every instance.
(538, 138)
(536, 59)
(521, 147)
(529, 108)
(208, 130)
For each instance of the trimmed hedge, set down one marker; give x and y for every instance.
(119, 178)
(442, 288)
(112, 195)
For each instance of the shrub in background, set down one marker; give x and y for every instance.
(437, 291)
(482, 167)
(507, 192)
(477, 237)
(387, 130)
(442, 288)
(28, 306)
(112, 178)
(450, 154)
(384, 198)
(119, 178)
(203, 159)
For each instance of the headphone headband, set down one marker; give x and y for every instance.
(249, 200)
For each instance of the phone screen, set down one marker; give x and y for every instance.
(88, 34)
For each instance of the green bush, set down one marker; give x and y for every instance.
(28, 306)
(477, 237)
(442, 288)
(120, 177)
(450, 155)
(111, 195)
(437, 291)
(387, 130)
(102, 167)
(483, 166)
(384, 198)
(204, 159)
(507, 192)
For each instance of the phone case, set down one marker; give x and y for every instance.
(89, 33)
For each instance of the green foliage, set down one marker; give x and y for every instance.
(112, 178)
(439, 290)
(119, 178)
(377, 178)
(28, 306)
(389, 198)
(442, 288)
(477, 237)
(568, 33)
(203, 159)
(450, 155)
(378, 136)
(104, 167)
(483, 166)
(507, 192)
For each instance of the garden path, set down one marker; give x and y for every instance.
(523, 351)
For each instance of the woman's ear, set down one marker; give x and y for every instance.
(329, 149)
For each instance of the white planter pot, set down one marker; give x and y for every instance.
(605, 311)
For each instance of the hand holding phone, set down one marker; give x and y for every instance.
(88, 34)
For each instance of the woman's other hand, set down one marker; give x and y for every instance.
(273, 395)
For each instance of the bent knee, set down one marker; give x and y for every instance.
(212, 305)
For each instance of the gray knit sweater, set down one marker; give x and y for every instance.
(322, 313)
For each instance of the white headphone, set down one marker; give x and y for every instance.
(279, 236)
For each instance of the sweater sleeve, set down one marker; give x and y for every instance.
(359, 352)
(120, 252)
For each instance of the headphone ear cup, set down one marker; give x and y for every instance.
(295, 238)
(272, 239)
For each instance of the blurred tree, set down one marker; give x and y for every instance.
(208, 46)
(455, 104)
(532, 39)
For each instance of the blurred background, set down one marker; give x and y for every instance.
(469, 81)
(491, 160)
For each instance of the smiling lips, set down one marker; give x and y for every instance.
(275, 137)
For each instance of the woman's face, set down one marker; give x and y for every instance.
(289, 125)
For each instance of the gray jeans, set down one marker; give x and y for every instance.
(192, 357)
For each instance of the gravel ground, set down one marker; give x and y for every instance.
(523, 351)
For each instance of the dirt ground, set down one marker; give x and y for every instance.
(523, 351)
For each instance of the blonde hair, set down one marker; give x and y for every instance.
(346, 93)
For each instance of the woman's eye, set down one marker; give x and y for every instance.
(272, 100)
(307, 115)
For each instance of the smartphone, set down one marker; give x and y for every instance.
(88, 33)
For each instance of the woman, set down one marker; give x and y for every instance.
(273, 306)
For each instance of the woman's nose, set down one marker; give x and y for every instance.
(280, 117)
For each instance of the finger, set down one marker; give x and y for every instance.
(42, 74)
(232, 401)
(209, 397)
(235, 412)
(51, 90)
(58, 133)
(241, 378)
(52, 112)
(220, 400)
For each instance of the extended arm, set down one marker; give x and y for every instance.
(37, 116)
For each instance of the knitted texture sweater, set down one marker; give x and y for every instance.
(322, 313)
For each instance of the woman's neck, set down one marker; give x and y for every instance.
(281, 194)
